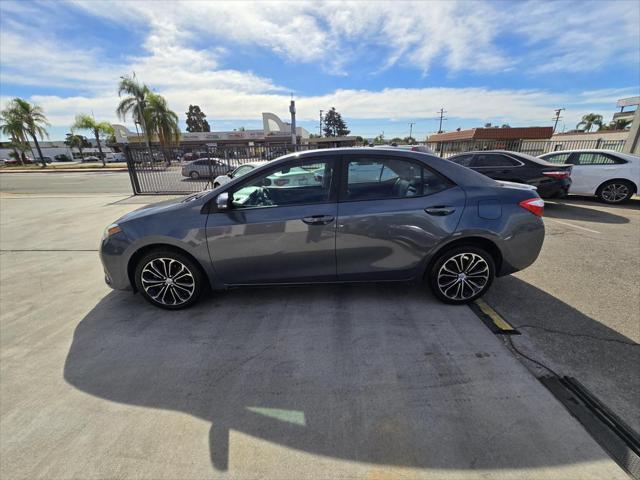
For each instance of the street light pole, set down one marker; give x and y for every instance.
(411, 124)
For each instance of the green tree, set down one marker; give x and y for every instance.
(334, 126)
(11, 126)
(77, 141)
(161, 120)
(396, 140)
(409, 140)
(134, 104)
(87, 122)
(588, 121)
(32, 120)
(379, 140)
(196, 120)
(619, 124)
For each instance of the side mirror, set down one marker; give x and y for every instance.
(222, 201)
(266, 182)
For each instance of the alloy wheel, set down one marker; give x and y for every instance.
(168, 281)
(463, 276)
(615, 192)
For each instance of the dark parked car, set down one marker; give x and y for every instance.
(551, 180)
(370, 215)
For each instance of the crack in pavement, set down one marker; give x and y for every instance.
(550, 330)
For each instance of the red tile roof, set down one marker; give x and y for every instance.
(513, 133)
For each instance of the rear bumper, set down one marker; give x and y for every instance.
(556, 189)
(522, 248)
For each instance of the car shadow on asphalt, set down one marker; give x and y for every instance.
(561, 209)
(360, 384)
(572, 343)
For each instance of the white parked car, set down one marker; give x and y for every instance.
(611, 176)
(238, 172)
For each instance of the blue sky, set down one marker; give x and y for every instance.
(381, 64)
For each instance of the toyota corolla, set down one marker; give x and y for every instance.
(364, 215)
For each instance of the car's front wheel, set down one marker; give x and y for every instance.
(615, 191)
(194, 175)
(169, 279)
(462, 274)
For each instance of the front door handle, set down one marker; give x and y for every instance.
(318, 219)
(440, 210)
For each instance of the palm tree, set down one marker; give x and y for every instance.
(76, 141)
(588, 121)
(161, 120)
(135, 103)
(12, 127)
(33, 122)
(87, 122)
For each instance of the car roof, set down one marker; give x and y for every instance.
(625, 155)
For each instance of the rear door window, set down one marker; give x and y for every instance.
(483, 160)
(558, 158)
(464, 160)
(379, 178)
(595, 158)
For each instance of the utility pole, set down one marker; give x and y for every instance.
(441, 114)
(292, 111)
(411, 124)
(321, 122)
(556, 118)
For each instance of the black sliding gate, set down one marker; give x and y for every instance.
(191, 169)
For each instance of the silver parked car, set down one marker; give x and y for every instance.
(364, 215)
(205, 168)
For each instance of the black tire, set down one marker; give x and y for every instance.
(615, 192)
(216, 185)
(181, 292)
(194, 175)
(473, 285)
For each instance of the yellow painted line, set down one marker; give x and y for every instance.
(495, 317)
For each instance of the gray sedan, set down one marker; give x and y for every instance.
(205, 168)
(413, 216)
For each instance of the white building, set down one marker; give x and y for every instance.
(273, 130)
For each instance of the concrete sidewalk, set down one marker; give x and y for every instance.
(322, 382)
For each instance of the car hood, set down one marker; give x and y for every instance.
(154, 208)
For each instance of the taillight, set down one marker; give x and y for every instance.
(534, 205)
(557, 174)
(281, 181)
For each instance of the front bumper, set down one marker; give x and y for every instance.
(114, 262)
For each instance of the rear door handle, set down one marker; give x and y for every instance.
(318, 219)
(440, 210)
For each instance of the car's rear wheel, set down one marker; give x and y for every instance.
(615, 191)
(216, 184)
(194, 175)
(169, 279)
(462, 274)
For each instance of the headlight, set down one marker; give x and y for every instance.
(111, 230)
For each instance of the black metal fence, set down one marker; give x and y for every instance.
(531, 147)
(194, 168)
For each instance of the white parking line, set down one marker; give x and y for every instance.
(570, 225)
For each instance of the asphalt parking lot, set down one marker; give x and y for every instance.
(371, 381)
